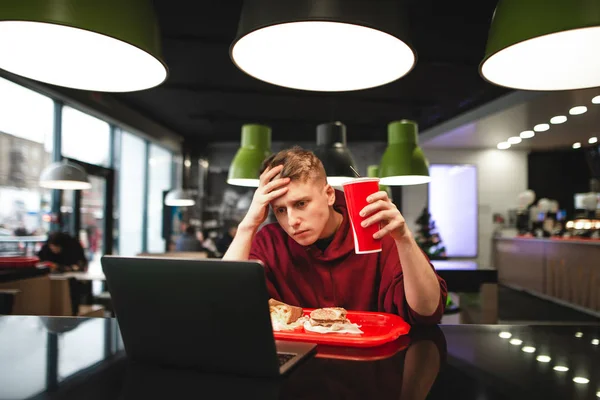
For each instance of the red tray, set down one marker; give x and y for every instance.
(378, 328)
(382, 352)
(18, 262)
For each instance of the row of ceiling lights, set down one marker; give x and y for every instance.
(557, 120)
(543, 358)
(308, 45)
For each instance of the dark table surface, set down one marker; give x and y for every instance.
(464, 276)
(76, 358)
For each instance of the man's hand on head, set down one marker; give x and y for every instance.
(270, 187)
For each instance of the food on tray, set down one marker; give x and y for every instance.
(331, 320)
(285, 316)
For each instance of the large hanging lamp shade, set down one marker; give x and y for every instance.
(64, 175)
(544, 45)
(332, 151)
(403, 162)
(325, 45)
(256, 146)
(106, 46)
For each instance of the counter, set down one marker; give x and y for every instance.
(78, 358)
(567, 270)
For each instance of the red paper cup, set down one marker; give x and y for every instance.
(356, 192)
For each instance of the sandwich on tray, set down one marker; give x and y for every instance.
(330, 320)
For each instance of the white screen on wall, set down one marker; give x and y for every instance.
(453, 207)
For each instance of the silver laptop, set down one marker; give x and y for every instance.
(207, 315)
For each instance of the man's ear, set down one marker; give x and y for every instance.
(330, 191)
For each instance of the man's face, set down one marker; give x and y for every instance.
(54, 248)
(303, 211)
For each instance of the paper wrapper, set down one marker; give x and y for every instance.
(280, 326)
(347, 327)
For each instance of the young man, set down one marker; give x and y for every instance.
(309, 256)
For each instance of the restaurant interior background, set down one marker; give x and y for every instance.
(486, 146)
(509, 215)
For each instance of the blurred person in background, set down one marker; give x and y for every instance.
(63, 253)
(188, 241)
(226, 237)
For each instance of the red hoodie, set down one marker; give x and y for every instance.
(337, 277)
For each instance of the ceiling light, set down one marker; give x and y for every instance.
(528, 349)
(70, 44)
(543, 358)
(596, 100)
(334, 154)
(515, 342)
(403, 162)
(514, 140)
(558, 37)
(560, 368)
(503, 145)
(580, 379)
(593, 140)
(579, 334)
(179, 198)
(541, 127)
(576, 145)
(559, 119)
(256, 146)
(322, 46)
(64, 175)
(505, 335)
(527, 134)
(578, 110)
(595, 342)
(598, 394)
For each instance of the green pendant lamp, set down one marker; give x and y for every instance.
(373, 172)
(105, 46)
(325, 45)
(403, 162)
(544, 45)
(256, 146)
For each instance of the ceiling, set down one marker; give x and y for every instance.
(535, 108)
(206, 98)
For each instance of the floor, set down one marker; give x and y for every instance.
(523, 308)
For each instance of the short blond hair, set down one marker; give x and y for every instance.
(298, 165)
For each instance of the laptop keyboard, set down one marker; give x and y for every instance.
(284, 358)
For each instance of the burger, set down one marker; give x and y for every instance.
(328, 317)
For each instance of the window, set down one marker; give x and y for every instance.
(131, 194)
(85, 138)
(159, 180)
(26, 130)
(453, 207)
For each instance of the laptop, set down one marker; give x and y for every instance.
(207, 315)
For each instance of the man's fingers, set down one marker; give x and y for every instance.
(381, 195)
(276, 193)
(269, 174)
(275, 184)
(378, 205)
(386, 215)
